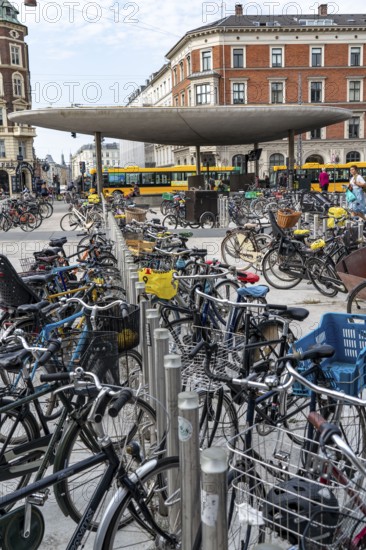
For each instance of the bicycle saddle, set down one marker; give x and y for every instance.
(58, 242)
(43, 279)
(294, 313)
(32, 308)
(11, 359)
(247, 277)
(258, 291)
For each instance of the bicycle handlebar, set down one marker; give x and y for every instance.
(279, 307)
(222, 273)
(96, 307)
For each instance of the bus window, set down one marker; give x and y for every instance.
(162, 179)
(131, 179)
(115, 180)
(147, 178)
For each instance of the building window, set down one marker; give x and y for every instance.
(174, 76)
(355, 56)
(354, 90)
(316, 134)
(354, 127)
(276, 58)
(238, 58)
(316, 57)
(188, 64)
(238, 92)
(17, 85)
(206, 61)
(203, 94)
(22, 149)
(1, 117)
(239, 161)
(2, 149)
(276, 160)
(316, 89)
(15, 55)
(182, 99)
(276, 92)
(1, 84)
(181, 68)
(189, 97)
(353, 156)
(176, 100)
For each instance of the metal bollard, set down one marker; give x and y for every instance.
(145, 304)
(140, 293)
(131, 271)
(325, 225)
(173, 384)
(134, 279)
(189, 464)
(316, 225)
(213, 499)
(152, 323)
(161, 337)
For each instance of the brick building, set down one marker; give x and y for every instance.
(288, 58)
(16, 140)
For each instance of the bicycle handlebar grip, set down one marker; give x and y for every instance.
(120, 402)
(197, 348)
(316, 352)
(280, 307)
(316, 420)
(54, 346)
(55, 377)
(326, 429)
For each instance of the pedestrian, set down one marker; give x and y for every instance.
(324, 180)
(44, 190)
(211, 183)
(357, 185)
(266, 181)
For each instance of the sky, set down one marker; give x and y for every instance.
(97, 53)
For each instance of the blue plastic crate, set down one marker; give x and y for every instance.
(346, 370)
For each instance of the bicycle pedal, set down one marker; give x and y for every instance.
(39, 498)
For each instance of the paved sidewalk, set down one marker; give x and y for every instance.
(17, 244)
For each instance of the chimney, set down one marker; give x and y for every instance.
(323, 9)
(238, 9)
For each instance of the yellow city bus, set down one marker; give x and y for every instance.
(155, 181)
(339, 174)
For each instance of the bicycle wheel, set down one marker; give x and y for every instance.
(130, 368)
(239, 248)
(226, 290)
(283, 271)
(69, 222)
(207, 220)
(170, 221)
(218, 420)
(136, 421)
(20, 430)
(356, 302)
(319, 274)
(159, 486)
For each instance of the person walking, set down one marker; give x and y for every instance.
(324, 180)
(357, 186)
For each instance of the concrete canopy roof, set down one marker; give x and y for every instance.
(221, 125)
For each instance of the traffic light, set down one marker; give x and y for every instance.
(82, 167)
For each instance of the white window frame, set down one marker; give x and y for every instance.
(20, 77)
(2, 146)
(322, 134)
(272, 81)
(189, 64)
(322, 81)
(211, 93)
(205, 50)
(20, 64)
(361, 116)
(361, 54)
(239, 81)
(181, 71)
(355, 79)
(282, 56)
(317, 47)
(232, 56)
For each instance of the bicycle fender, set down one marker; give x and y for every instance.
(117, 499)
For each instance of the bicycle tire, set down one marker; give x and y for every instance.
(139, 533)
(218, 421)
(275, 275)
(73, 494)
(239, 248)
(12, 533)
(356, 302)
(130, 368)
(319, 272)
(29, 432)
(207, 220)
(170, 221)
(69, 222)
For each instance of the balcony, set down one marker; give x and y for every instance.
(24, 131)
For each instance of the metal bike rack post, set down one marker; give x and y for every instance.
(161, 337)
(188, 431)
(213, 499)
(173, 366)
(145, 304)
(127, 273)
(152, 323)
(360, 237)
(316, 225)
(134, 279)
(307, 217)
(140, 293)
(173, 384)
(325, 225)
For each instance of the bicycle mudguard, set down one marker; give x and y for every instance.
(117, 499)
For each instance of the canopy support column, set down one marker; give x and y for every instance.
(198, 160)
(98, 157)
(256, 165)
(291, 158)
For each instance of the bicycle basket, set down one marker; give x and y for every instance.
(159, 283)
(137, 214)
(94, 351)
(127, 328)
(288, 218)
(285, 491)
